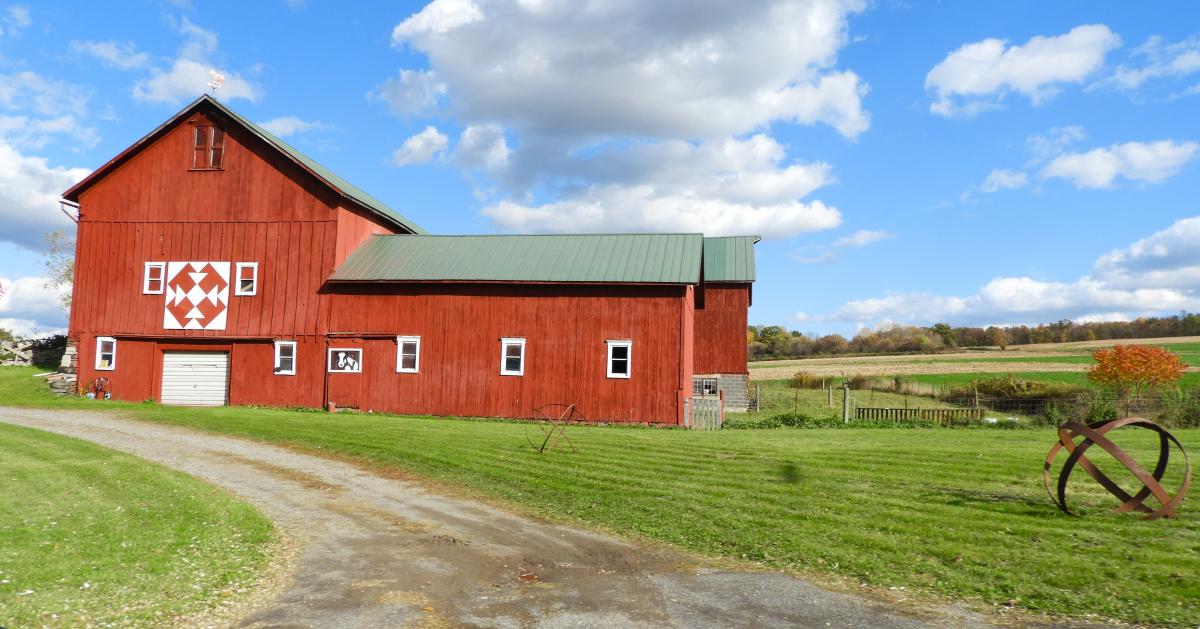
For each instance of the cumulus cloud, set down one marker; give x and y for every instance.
(1157, 274)
(29, 192)
(659, 125)
(714, 69)
(29, 307)
(978, 75)
(723, 187)
(1167, 259)
(115, 54)
(189, 74)
(1148, 162)
(1155, 60)
(291, 125)
(420, 148)
(409, 93)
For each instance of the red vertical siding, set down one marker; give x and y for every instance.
(721, 329)
(566, 328)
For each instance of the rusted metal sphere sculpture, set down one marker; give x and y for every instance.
(1094, 434)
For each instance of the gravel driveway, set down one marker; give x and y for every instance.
(380, 552)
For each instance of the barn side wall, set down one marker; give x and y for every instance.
(566, 328)
(720, 327)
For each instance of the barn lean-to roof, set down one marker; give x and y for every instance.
(729, 258)
(583, 258)
(331, 179)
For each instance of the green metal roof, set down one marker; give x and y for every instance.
(729, 259)
(590, 258)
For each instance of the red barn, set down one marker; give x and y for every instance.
(215, 264)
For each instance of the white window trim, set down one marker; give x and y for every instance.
(112, 365)
(504, 345)
(400, 341)
(237, 279)
(162, 278)
(628, 361)
(292, 371)
(329, 359)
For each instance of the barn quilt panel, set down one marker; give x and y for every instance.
(197, 296)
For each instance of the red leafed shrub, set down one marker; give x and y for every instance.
(1135, 368)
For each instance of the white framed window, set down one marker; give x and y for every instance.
(408, 354)
(154, 278)
(345, 360)
(620, 359)
(246, 279)
(285, 358)
(512, 357)
(708, 386)
(106, 353)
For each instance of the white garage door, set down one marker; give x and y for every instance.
(195, 378)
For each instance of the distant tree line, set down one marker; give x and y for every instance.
(772, 341)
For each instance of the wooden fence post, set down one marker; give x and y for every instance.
(846, 403)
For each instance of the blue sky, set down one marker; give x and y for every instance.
(970, 162)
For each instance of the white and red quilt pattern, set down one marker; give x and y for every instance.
(197, 296)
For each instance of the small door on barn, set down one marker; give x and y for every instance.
(195, 378)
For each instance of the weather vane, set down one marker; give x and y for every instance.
(215, 80)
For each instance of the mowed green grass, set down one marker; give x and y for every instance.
(94, 537)
(947, 514)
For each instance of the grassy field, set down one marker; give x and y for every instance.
(1042, 358)
(946, 514)
(93, 537)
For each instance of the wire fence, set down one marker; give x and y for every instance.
(1171, 407)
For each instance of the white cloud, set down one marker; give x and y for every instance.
(291, 125)
(659, 125)
(437, 18)
(862, 238)
(36, 133)
(410, 92)
(29, 193)
(29, 91)
(188, 76)
(120, 55)
(29, 307)
(1167, 259)
(977, 75)
(725, 187)
(15, 18)
(709, 70)
(1043, 148)
(642, 208)
(1149, 162)
(1000, 179)
(35, 110)
(482, 146)
(1159, 61)
(421, 148)
(1157, 274)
